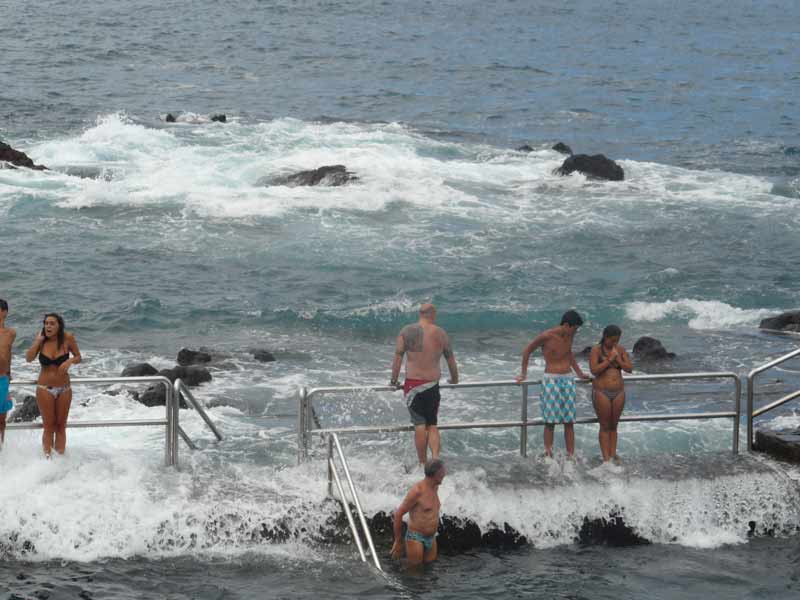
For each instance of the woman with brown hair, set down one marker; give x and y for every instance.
(53, 345)
(607, 362)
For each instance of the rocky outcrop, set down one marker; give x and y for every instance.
(784, 445)
(596, 166)
(611, 532)
(648, 348)
(15, 157)
(562, 148)
(191, 376)
(219, 118)
(139, 370)
(788, 321)
(170, 118)
(331, 175)
(192, 357)
(25, 412)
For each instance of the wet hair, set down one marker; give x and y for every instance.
(572, 318)
(610, 331)
(60, 334)
(3, 305)
(433, 466)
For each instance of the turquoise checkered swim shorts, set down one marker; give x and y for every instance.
(557, 401)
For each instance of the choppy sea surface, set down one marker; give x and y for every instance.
(151, 236)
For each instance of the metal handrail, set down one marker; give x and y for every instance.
(182, 389)
(306, 396)
(333, 441)
(170, 422)
(751, 413)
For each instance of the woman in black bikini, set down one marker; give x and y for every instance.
(607, 361)
(53, 393)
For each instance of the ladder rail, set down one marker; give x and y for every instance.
(333, 442)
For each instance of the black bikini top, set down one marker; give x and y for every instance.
(46, 361)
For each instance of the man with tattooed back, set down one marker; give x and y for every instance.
(423, 344)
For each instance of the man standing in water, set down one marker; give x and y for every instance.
(7, 336)
(422, 504)
(557, 400)
(425, 344)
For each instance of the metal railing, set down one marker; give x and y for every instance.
(753, 413)
(333, 477)
(170, 422)
(306, 414)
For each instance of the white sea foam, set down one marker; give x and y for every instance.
(215, 171)
(701, 314)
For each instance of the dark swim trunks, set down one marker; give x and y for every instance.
(422, 400)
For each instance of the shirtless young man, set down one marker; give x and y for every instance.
(422, 504)
(557, 400)
(7, 337)
(424, 344)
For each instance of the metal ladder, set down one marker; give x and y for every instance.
(333, 477)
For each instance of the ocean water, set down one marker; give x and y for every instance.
(151, 236)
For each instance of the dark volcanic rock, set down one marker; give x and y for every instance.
(263, 355)
(648, 348)
(25, 412)
(596, 166)
(611, 531)
(458, 535)
(563, 148)
(192, 357)
(155, 395)
(139, 370)
(780, 444)
(170, 118)
(329, 175)
(525, 148)
(191, 376)
(788, 321)
(15, 157)
(219, 118)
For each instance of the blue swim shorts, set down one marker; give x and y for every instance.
(557, 401)
(5, 401)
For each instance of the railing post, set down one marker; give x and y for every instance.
(176, 406)
(523, 432)
(168, 454)
(301, 425)
(738, 418)
(750, 378)
(330, 467)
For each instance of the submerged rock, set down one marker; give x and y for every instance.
(139, 370)
(596, 166)
(191, 376)
(192, 357)
(648, 348)
(332, 175)
(562, 148)
(525, 148)
(20, 159)
(170, 118)
(26, 412)
(788, 321)
(219, 118)
(263, 355)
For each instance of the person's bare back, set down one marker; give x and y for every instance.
(424, 343)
